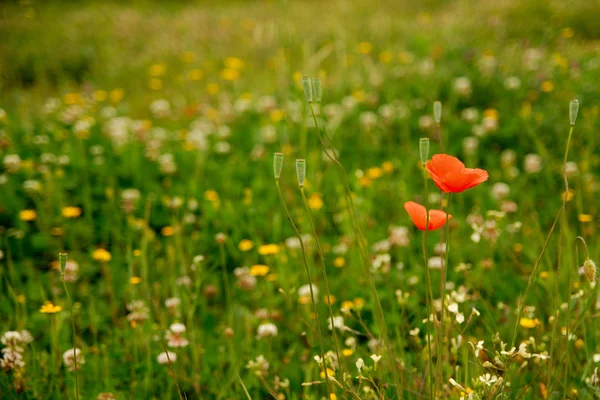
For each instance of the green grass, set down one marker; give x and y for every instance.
(73, 74)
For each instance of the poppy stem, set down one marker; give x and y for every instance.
(443, 291)
(429, 294)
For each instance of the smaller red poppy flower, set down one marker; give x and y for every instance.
(451, 175)
(418, 215)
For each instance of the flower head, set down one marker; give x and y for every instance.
(418, 215)
(451, 175)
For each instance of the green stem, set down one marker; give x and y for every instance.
(310, 284)
(63, 262)
(429, 293)
(443, 292)
(322, 258)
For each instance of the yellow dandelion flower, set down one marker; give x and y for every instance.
(100, 95)
(364, 181)
(339, 262)
(277, 115)
(157, 70)
(271, 277)
(71, 212)
(167, 231)
(333, 396)
(195, 74)
(27, 215)
(116, 95)
(547, 86)
(579, 343)
(529, 323)
(49, 308)
(347, 304)
(374, 173)
(570, 195)
(287, 149)
(544, 274)
(386, 57)
(211, 195)
(304, 299)
(268, 249)
(259, 270)
(518, 247)
(585, 218)
(137, 253)
(101, 255)
(364, 48)
(245, 245)
(359, 95)
(315, 202)
(234, 63)
(229, 74)
(298, 77)
(347, 352)
(329, 299)
(135, 280)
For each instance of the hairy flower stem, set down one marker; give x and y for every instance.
(429, 294)
(63, 262)
(322, 258)
(172, 370)
(442, 332)
(310, 285)
(363, 252)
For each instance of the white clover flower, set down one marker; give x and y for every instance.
(166, 357)
(69, 359)
(266, 330)
(488, 379)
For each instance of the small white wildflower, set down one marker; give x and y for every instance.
(266, 330)
(165, 357)
(488, 379)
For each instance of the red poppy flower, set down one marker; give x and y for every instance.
(418, 214)
(451, 176)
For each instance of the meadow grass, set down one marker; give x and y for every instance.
(139, 138)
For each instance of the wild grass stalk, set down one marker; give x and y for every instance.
(278, 164)
(323, 267)
(330, 153)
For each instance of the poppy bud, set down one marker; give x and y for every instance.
(424, 150)
(317, 89)
(308, 91)
(277, 164)
(573, 109)
(589, 270)
(62, 257)
(437, 112)
(301, 171)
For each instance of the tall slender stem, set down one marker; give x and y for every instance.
(443, 293)
(63, 262)
(322, 258)
(429, 293)
(310, 285)
(363, 252)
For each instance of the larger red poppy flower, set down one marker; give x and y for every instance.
(418, 214)
(451, 175)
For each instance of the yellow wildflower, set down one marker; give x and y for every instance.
(339, 262)
(135, 280)
(268, 249)
(385, 57)
(374, 173)
(347, 352)
(71, 212)
(330, 373)
(364, 48)
(100, 95)
(155, 84)
(259, 270)
(157, 70)
(229, 74)
(27, 215)
(101, 255)
(388, 167)
(276, 115)
(329, 299)
(167, 231)
(585, 218)
(212, 88)
(529, 323)
(547, 86)
(234, 63)
(315, 202)
(195, 74)
(49, 308)
(359, 303)
(116, 95)
(245, 245)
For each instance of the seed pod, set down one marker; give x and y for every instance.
(573, 110)
(277, 164)
(62, 258)
(308, 90)
(301, 171)
(424, 150)
(437, 112)
(317, 89)
(589, 270)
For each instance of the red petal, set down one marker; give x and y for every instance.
(417, 214)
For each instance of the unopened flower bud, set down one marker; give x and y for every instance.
(301, 171)
(573, 110)
(437, 112)
(277, 164)
(308, 90)
(62, 258)
(317, 89)
(424, 150)
(589, 270)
